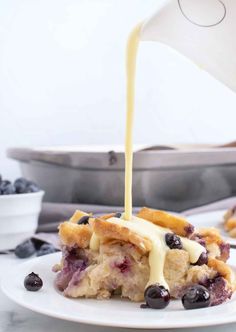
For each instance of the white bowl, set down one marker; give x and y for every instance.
(18, 217)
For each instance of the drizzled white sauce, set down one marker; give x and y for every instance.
(156, 235)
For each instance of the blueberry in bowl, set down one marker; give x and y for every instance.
(24, 186)
(7, 188)
(19, 186)
(20, 205)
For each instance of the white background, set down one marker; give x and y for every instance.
(62, 80)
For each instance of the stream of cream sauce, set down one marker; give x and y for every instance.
(131, 57)
(154, 233)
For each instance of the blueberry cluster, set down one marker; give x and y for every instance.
(30, 247)
(19, 186)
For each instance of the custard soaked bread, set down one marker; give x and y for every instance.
(107, 256)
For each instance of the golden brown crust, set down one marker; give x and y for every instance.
(230, 214)
(210, 235)
(178, 271)
(214, 243)
(230, 222)
(176, 224)
(72, 234)
(78, 215)
(223, 269)
(107, 216)
(232, 233)
(75, 235)
(106, 230)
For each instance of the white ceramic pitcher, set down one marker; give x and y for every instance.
(202, 30)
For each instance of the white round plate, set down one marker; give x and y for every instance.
(115, 312)
(212, 219)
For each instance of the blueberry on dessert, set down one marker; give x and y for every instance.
(173, 241)
(203, 259)
(154, 256)
(83, 220)
(33, 282)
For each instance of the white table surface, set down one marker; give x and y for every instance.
(17, 319)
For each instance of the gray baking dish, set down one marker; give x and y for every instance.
(166, 178)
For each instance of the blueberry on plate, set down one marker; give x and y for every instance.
(156, 297)
(196, 297)
(33, 282)
(25, 249)
(46, 249)
(173, 241)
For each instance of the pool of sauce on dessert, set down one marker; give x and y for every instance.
(144, 228)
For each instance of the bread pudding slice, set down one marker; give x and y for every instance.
(107, 256)
(230, 222)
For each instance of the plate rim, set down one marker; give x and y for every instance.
(101, 322)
